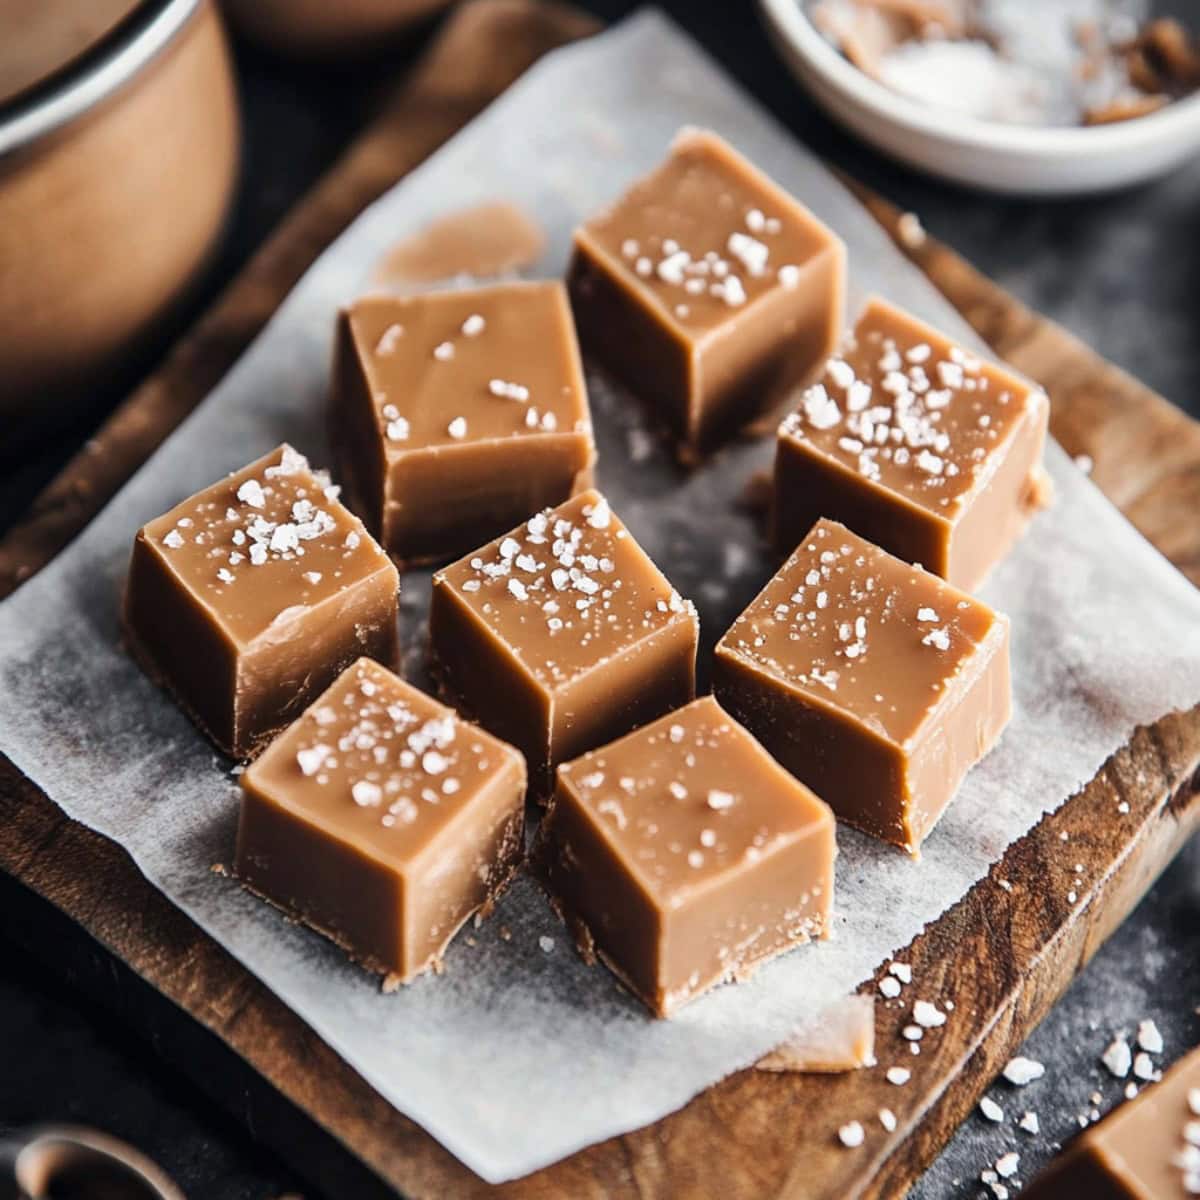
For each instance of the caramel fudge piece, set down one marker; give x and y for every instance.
(249, 598)
(931, 453)
(562, 635)
(873, 681)
(457, 414)
(1147, 1149)
(706, 288)
(684, 855)
(382, 821)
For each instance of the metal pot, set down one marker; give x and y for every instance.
(116, 172)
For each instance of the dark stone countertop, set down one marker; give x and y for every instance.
(1118, 271)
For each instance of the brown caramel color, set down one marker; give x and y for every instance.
(685, 855)
(917, 445)
(706, 288)
(875, 682)
(249, 598)
(1143, 1150)
(382, 820)
(457, 414)
(563, 635)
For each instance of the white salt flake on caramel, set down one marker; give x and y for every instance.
(311, 758)
(928, 1015)
(388, 339)
(173, 540)
(594, 780)
(457, 428)
(251, 493)
(820, 408)
(398, 429)
(750, 252)
(474, 325)
(926, 614)
(902, 971)
(677, 790)
(507, 390)
(366, 794)
(939, 639)
(433, 763)
(898, 1076)
(225, 575)
(599, 515)
(889, 987)
(718, 800)
(443, 351)
(887, 1119)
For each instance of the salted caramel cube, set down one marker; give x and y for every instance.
(249, 598)
(707, 288)
(382, 820)
(562, 635)
(913, 442)
(457, 414)
(873, 681)
(1145, 1149)
(685, 856)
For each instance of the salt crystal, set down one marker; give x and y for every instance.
(474, 325)
(1021, 1071)
(851, 1135)
(898, 1076)
(991, 1109)
(457, 428)
(251, 493)
(1029, 1122)
(1149, 1037)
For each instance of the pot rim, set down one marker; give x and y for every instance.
(116, 58)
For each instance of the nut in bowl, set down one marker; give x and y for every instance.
(1022, 153)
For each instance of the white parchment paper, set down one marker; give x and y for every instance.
(516, 1057)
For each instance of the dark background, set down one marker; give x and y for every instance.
(1120, 271)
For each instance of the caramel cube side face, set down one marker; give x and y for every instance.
(917, 445)
(875, 682)
(381, 787)
(707, 289)
(248, 598)
(685, 856)
(562, 634)
(456, 414)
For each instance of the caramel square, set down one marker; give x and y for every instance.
(918, 445)
(457, 414)
(686, 856)
(247, 599)
(562, 635)
(874, 682)
(707, 289)
(382, 820)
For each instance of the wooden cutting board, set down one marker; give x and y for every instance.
(1003, 954)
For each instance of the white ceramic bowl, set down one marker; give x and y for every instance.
(1015, 159)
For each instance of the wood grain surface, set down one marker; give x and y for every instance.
(1003, 954)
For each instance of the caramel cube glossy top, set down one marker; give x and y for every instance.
(706, 287)
(686, 855)
(875, 682)
(918, 445)
(249, 597)
(458, 413)
(563, 634)
(382, 819)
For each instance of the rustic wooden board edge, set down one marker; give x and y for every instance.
(740, 1136)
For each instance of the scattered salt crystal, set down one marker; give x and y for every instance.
(433, 763)
(443, 351)
(789, 276)
(1021, 1070)
(902, 971)
(887, 1119)
(600, 515)
(457, 428)
(397, 430)
(910, 231)
(474, 325)
(889, 986)
(719, 800)
(310, 759)
(546, 944)
(898, 1076)
(1006, 1164)
(1143, 1066)
(991, 1109)
(913, 1033)
(928, 1015)
(1149, 1037)
(1029, 1122)
(1117, 1058)
(851, 1135)
(926, 614)
(388, 339)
